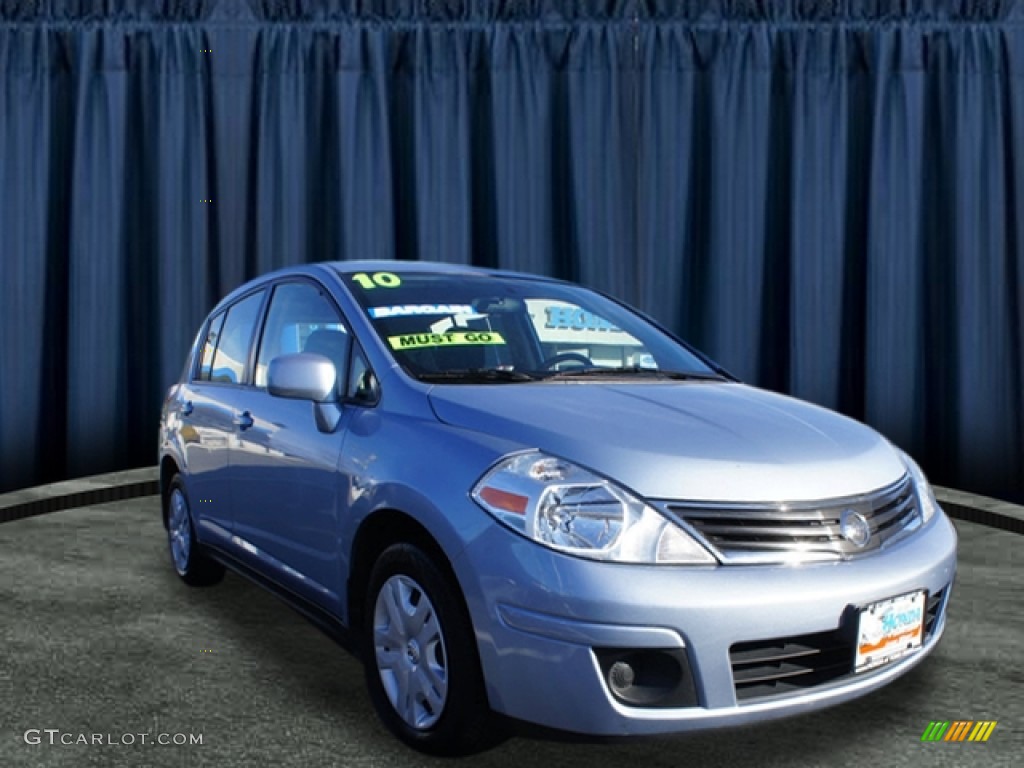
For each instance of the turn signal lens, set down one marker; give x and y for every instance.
(505, 501)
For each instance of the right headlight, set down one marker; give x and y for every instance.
(926, 500)
(565, 507)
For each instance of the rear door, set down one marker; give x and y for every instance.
(207, 411)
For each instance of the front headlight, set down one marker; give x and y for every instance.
(565, 507)
(926, 501)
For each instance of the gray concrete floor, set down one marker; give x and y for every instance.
(98, 636)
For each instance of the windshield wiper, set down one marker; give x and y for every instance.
(634, 371)
(476, 376)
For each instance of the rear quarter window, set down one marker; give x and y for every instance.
(209, 347)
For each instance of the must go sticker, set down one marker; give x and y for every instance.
(418, 340)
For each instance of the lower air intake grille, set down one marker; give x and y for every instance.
(769, 668)
(932, 611)
(775, 667)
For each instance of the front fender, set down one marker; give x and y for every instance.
(427, 473)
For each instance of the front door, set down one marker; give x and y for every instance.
(284, 470)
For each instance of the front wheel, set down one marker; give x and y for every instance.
(422, 667)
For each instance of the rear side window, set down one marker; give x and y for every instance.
(209, 347)
(232, 354)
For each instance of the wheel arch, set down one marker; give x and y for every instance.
(168, 469)
(376, 533)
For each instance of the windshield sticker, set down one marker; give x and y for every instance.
(407, 310)
(421, 340)
(377, 280)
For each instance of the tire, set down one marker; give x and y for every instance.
(194, 568)
(424, 681)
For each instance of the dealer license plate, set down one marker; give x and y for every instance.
(889, 629)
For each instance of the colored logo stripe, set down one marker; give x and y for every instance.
(982, 730)
(958, 730)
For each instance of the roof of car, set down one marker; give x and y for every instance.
(435, 267)
(377, 265)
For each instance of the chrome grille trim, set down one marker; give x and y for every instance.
(804, 531)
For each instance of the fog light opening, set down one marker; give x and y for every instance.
(648, 677)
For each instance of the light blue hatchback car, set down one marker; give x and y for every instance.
(517, 496)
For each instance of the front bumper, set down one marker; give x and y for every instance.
(539, 615)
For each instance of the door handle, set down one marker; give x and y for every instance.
(244, 421)
(186, 408)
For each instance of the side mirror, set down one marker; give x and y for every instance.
(304, 376)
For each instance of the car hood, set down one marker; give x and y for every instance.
(707, 441)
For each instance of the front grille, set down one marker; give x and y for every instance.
(786, 665)
(800, 531)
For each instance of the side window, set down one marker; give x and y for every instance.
(209, 346)
(302, 319)
(232, 355)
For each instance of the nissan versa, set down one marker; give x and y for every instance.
(519, 496)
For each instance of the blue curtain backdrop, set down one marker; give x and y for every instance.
(824, 196)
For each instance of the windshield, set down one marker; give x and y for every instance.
(456, 328)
